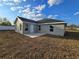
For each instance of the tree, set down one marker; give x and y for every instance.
(5, 22)
(0, 19)
(9, 23)
(5, 19)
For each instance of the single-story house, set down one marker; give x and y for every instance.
(77, 28)
(47, 26)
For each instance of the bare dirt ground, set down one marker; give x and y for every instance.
(16, 46)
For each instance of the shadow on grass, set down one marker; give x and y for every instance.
(68, 35)
(72, 35)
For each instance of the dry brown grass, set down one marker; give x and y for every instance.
(17, 46)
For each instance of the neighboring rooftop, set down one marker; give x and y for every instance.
(45, 20)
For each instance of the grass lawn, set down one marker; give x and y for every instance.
(16, 46)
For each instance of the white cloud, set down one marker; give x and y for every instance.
(39, 15)
(56, 15)
(32, 14)
(27, 10)
(40, 7)
(53, 16)
(11, 2)
(77, 13)
(54, 2)
(20, 11)
(4, 0)
(27, 6)
(17, 1)
(24, 0)
(13, 8)
(17, 8)
(50, 16)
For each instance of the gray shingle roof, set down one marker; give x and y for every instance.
(45, 20)
(26, 20)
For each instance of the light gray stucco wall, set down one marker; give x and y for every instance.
(29, 27)
(57, 30)
(17, 27)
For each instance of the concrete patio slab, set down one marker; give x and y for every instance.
(33, 35)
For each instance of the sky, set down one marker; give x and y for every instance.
(66, 10)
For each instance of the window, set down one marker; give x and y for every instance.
(39, 27)
(20, 26)
(51, 28)
(26, 28)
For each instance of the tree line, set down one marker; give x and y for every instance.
(4, 22)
